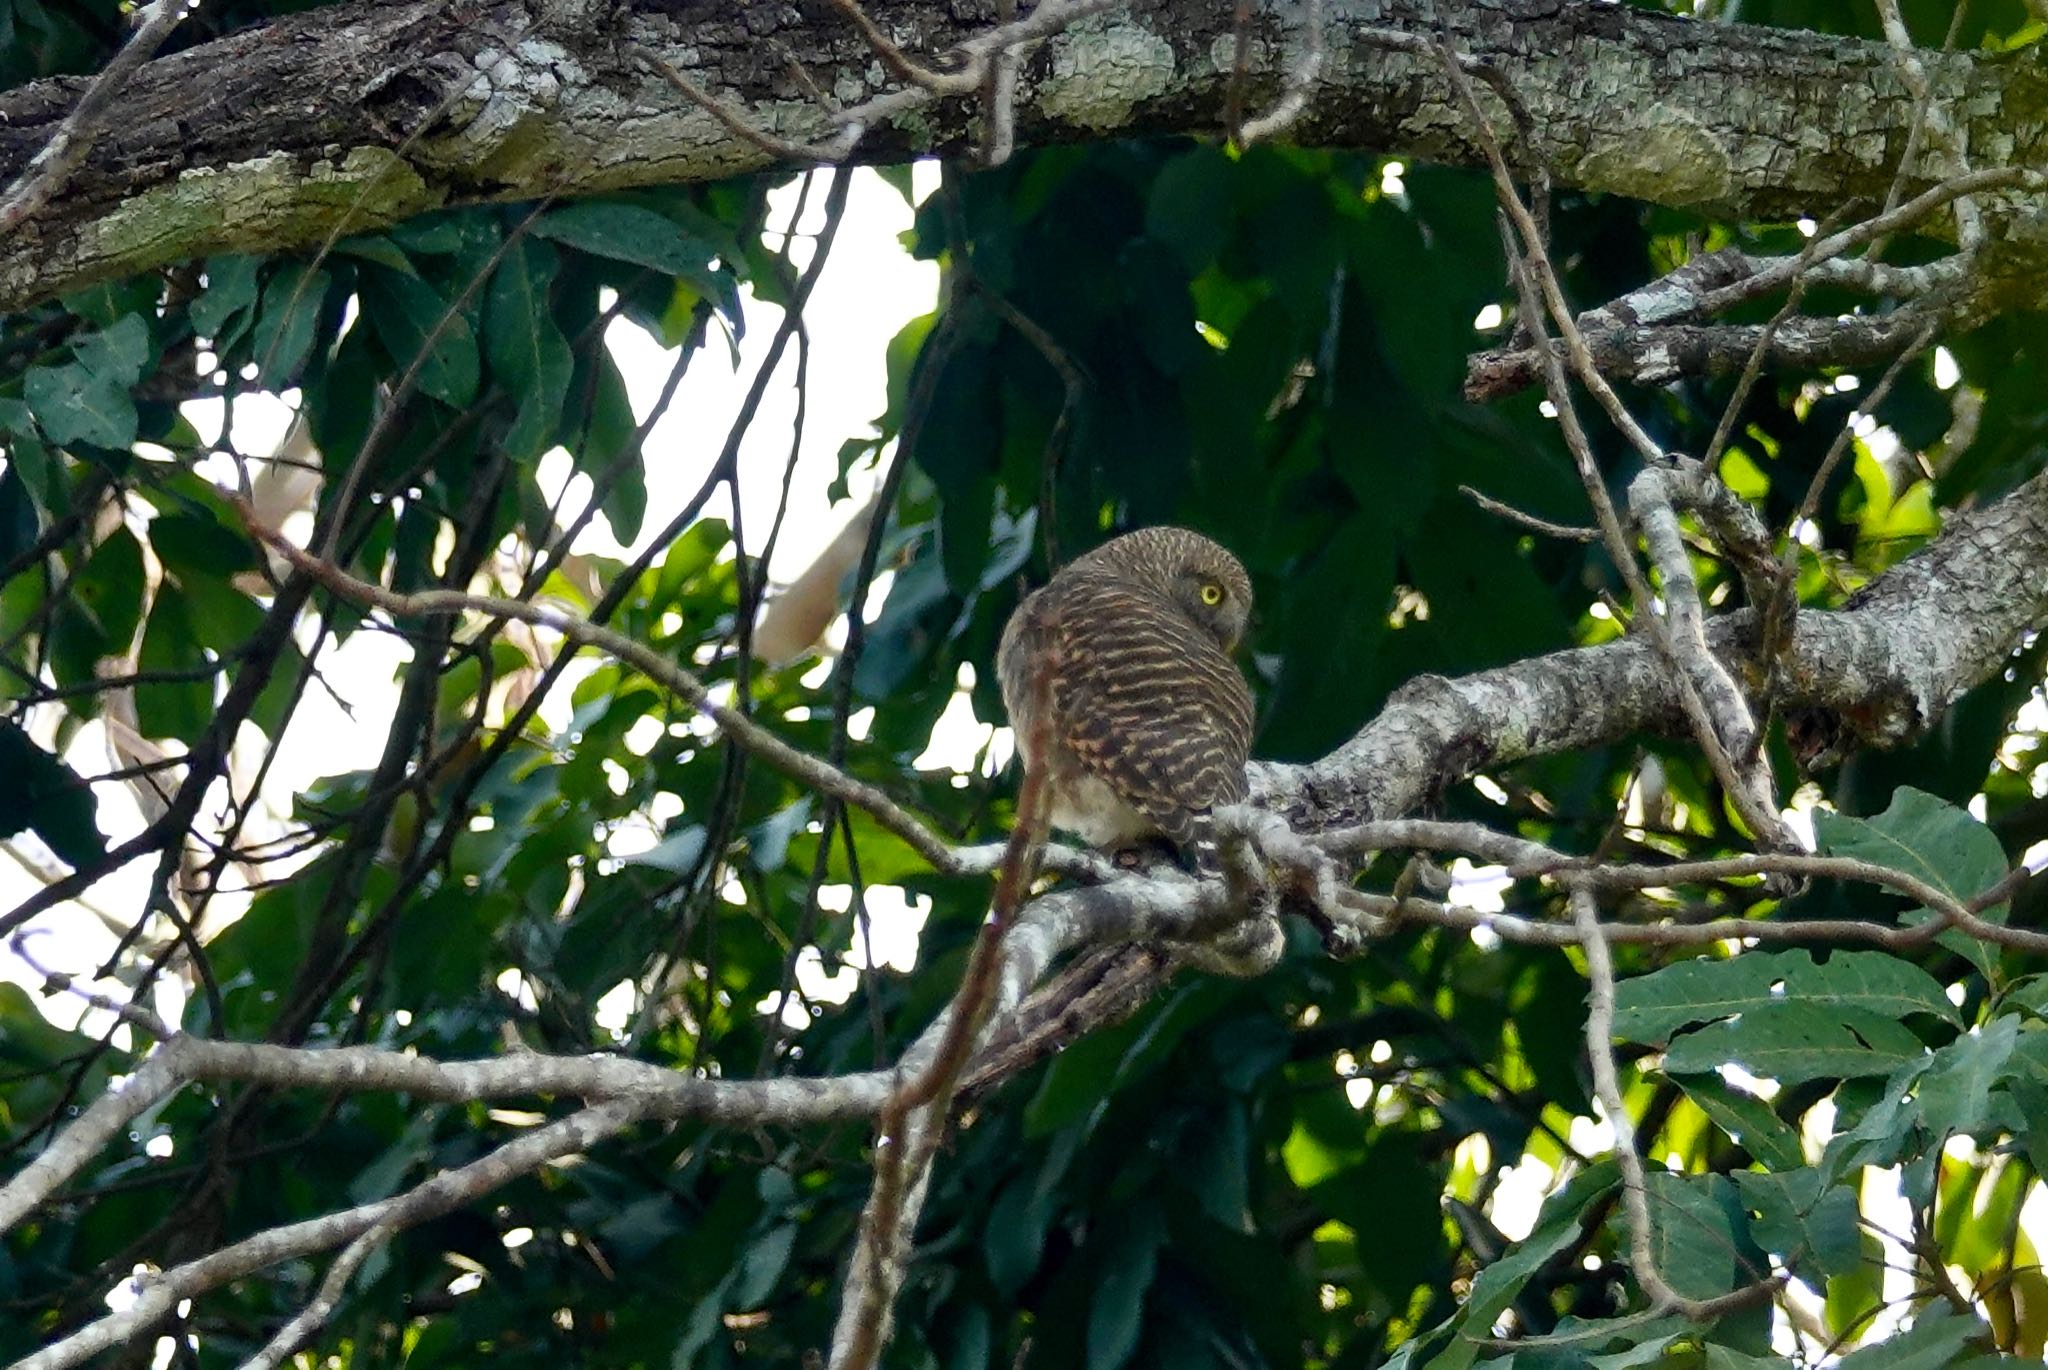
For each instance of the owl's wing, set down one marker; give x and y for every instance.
(1152, 708)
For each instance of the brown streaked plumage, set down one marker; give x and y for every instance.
(1150, 722)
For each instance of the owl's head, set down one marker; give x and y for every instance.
(1201, 579)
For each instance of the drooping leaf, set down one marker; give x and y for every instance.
(529, 356)
(46, 796)
(180, 705)
(1746, 1118)
(425, 331)
(629, 233)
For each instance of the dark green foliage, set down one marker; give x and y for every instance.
(1291, 1171)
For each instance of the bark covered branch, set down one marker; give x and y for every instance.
(350, 117)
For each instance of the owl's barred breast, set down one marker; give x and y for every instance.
(1148, 721)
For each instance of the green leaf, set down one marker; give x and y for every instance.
(195, 545)
(630, 233)
(1015, 1235)
(42, 469)
(73, 403)
(109, 588)
(762, 1265)
(529, 356)
(1642, 1343)
(1746, 1118)
(1116, 1312)
(183, 708)
(284, 327)
(18, 524)
(229, 294)
(897, 177)
(607, 454)
(44, 795)
(1852, 1299)
(1927, 837)
(1797, 1219)
(1497, 1286)
(1699, 1235)
(1649, 1008)
(1796, 1042)
(1956, 1094)
(378, 248)
(119, 353)
(1722, 1358)
(1885, 1131)
(421, 328)
(1934, 1342)
(676, 853)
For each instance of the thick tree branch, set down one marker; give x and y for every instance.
(353, 116)
(1906, 647)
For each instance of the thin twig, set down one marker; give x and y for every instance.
(49, 170)
(833, 149)
(1782, 609)
(909, 1124)
(1569, 532)
(1635, 1191)
(315, 1314)
(1534, 277)
(1300, 81)
(1939, 128)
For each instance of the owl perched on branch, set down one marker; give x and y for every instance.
(1149, 722)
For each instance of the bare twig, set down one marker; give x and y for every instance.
(831, 149)
(315, 1314)
(1734, 725)
(986, 63)
(1940, 130)
(1535, 277)
(57, 981)
(1570, 532)
(1782, 607)
(910, 1122)
(1300, 81)
(49, 170)
(1635, 1192)
(999, 97)
(159, 1294)
(1752, 368)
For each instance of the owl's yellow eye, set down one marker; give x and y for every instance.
(1212, 594)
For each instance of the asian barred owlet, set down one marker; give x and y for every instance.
(1150, 723)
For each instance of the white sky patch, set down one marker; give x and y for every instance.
(959, 735)
(1519, 1196)
(1738, 1078)
(614, 1009)
(1482, 889)
(513, 986)
(1887, 1209)
(1591, 1136)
